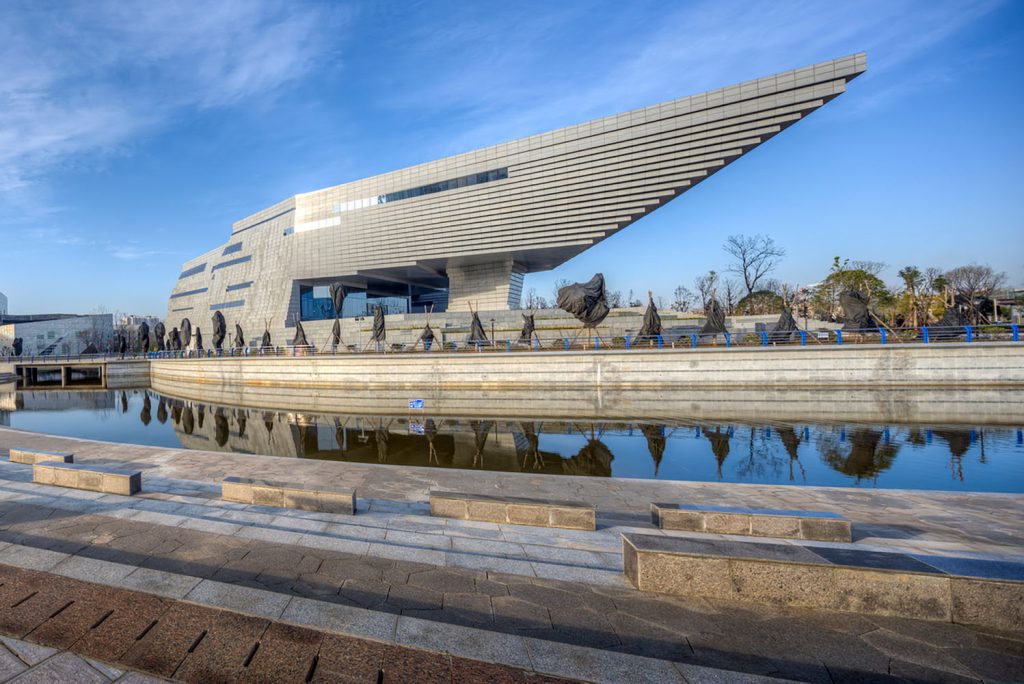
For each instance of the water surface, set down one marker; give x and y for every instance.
(975, 457)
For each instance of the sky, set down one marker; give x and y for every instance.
(133, 134)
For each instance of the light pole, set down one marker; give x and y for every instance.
(492, 332)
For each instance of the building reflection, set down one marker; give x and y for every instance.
(778, 452)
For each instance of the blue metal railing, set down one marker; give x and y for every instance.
(930, 335)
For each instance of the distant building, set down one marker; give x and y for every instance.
(3, 305)
(133, 321)
(55, 334)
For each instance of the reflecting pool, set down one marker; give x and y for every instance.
(949, 457)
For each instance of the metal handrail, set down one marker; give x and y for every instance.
(1005, 332)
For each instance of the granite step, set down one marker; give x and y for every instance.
(843, 577)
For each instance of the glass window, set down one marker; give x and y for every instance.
(315, 303)
(192, 271)
(231, 249)
(239, 286)
(189, 292)
(228, 305)
(231, 262)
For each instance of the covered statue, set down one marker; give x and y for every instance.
(476, 330)
(337, 291)
(651, 328)
(159, 332)
(144, 336)
(199, 340)
(380, 334)
(174, 341)
(785, 329)
(529, 330)
(856, 315)
(715, 323)
(220, 330)
(300, 336)
(585, 301)
(239, 337)
(185, 333)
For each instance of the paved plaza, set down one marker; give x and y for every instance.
(537, 602)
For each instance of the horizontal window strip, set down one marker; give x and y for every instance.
(262, 221)
(192, 271)
(189, 293)
(239, 286)
(231, 249)
(231, 262)
(183, 308)
(228, 305)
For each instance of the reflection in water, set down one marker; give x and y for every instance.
(863, 456)
(931, 457)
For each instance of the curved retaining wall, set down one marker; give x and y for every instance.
(978, 365)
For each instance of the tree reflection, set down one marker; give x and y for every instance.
(791, 443)
(719, 444)
(656, 442)
(864, 456)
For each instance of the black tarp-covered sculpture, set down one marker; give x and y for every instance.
(90, 350)
(265, 340)
(239, 337)
(651, 328)
(17, 345)
(786, 329)
(337, 291)
(380, 333)
(585, 301)
(159, 332)
(122, 345)
(199, 340)
(476, 330)
(856, 316)
(426, 337)
(528, 331)
(174, 340)
(715, 323)
(144, 336)
(300, 336)
(335, 338)
(220, 329)
(185, 333)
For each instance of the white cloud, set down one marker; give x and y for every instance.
(82, 79)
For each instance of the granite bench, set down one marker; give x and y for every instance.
(33, 456)
(515, 510)
(285, 495)
(841, 577)
(90, 477)
(755, 522)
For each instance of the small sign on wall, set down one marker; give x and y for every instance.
(416, 404)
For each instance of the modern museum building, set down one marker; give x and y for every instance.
(462, 231)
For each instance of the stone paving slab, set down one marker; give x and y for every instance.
(25, 662)
(758, 522)
(915, 521)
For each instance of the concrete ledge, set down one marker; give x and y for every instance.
(844, 578)
(90, 477)
(32, 456)
(756, 522)
(284, 495)
(514, 510)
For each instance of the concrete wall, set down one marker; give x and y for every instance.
(435, 375)
(59, 336)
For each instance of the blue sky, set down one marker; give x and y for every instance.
(133, 134)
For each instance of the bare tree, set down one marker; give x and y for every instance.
(973, 283)
(705, 287)
(731, 295)
(869, 267)
(682, 299)
(755, 257)
(614, 299)
(559, 284)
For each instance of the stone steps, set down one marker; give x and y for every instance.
(840, 577)
(195, 609)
